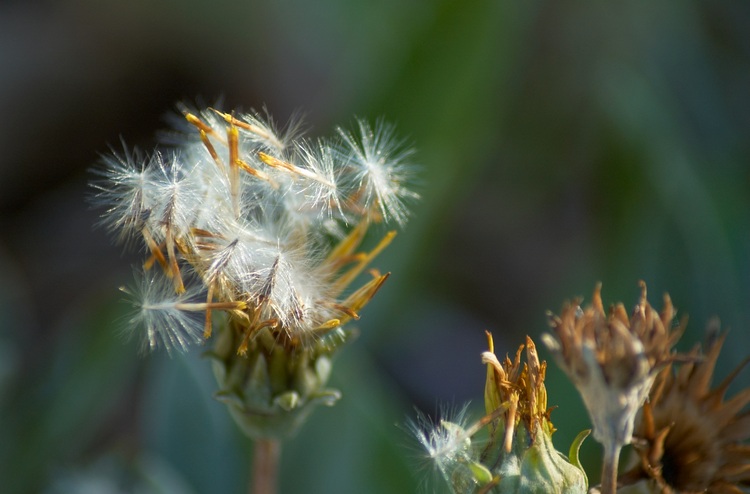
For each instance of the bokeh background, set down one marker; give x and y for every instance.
(560, 144)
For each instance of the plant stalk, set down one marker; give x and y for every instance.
(609, 469)
(266, 454)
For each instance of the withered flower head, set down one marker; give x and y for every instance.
(613, 359)
(521, 388)
(520, 451)
(688, 438)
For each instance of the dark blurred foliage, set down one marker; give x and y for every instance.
(560, 143)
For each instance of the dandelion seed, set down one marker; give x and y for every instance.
(450, 449)
(321, 190)
(160, 318)
(127, 189)
(263, 131)
(381, 172)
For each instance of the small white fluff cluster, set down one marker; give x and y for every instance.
(266, 225)
(447, 444)
(457, 453)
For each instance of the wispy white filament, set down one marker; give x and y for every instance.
(380, 167)
(160, 319)
(127, 191)
(447, 443)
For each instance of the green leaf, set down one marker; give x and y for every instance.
(575, 448)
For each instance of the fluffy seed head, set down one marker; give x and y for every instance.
(268, 222)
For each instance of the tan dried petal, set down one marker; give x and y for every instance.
(690, 439)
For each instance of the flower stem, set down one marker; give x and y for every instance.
(266, 453)
(609, 469)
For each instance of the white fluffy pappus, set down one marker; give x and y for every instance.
(262, 130)
(126, 190)
(280, 270)
(380, 168)
(211, 187)
(293, 286)
(163, 318)
(321, 189)
(178, 195)
(446, 444)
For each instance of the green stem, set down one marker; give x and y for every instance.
(266, 453)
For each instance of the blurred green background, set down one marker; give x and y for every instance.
(560, 144)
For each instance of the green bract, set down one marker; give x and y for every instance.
(272, 390)
(534, 466)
